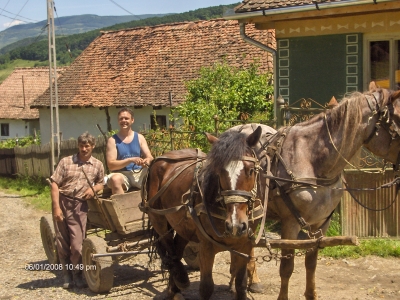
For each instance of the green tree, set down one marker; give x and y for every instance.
(226, 92)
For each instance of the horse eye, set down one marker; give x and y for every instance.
(251, 172)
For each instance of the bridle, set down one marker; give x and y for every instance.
(241, 196)
(384, 121)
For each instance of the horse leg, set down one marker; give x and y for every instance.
(254, 283)
(289, 231)
(166, 249)
(206, 260)
(178, 270)
(240, 264)
(311, 265)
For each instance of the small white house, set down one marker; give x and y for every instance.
(17, 93)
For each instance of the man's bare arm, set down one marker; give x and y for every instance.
(147, 157)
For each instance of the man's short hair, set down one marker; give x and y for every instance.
(126, 109)
(85, 138)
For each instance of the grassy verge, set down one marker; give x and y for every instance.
(378, 246)
(4, 73)
(34, 191)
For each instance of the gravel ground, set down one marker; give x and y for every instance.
(20, 243)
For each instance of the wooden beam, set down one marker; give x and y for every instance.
(307, 244)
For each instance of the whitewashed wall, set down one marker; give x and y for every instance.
(20, 128)
(75, 121)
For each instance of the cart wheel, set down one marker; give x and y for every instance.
(48, 235)
(190, 255)
(99, 271)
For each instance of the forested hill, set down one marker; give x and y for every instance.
(70, 46)
(64, 26)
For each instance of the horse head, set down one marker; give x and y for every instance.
(385, 140)
(233, 163)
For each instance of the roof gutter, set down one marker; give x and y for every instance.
(260, 45)
(231, 15)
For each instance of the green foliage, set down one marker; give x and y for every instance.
(335, 228)
(34, 190)
(226, 92)
(20, 142)
(379, 247)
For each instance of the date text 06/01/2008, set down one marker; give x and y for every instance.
(56, 267)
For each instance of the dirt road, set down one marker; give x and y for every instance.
(20, 246)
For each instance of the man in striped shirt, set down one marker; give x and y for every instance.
(74, 181)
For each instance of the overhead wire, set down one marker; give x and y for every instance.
(17, 15)
(121, 7)
(62, 32)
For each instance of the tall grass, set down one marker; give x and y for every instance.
(33, 190)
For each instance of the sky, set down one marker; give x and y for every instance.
(13, 12)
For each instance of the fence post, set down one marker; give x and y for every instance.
(280, 106)
(171, 137)
(216, 124)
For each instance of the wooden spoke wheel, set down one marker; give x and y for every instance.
(99, 272)
(48, 235)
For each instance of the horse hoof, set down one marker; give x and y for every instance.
(178, 296)
(180, 276)
(256, 287)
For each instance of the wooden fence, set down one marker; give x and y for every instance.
(35, 160)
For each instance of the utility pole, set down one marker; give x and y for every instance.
(55, 132)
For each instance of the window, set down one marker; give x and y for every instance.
(5, 129)
(384, 62)
(158, 122)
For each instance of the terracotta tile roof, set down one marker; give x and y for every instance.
(138, 67)
(20, 89)
(254, 5)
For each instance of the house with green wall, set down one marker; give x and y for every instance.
(328, 48)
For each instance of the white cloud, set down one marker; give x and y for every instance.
(15, 22)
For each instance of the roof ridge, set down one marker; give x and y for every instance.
(211, 21)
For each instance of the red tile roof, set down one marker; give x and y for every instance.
(140, 66)
(20, 89)
(255, 5)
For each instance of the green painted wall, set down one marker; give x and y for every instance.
(319, 67)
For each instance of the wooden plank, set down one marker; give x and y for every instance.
(306, 244)
(127, 207)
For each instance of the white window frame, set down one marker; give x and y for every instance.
(393, 57)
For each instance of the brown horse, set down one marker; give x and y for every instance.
(307, 161)
(211, 202)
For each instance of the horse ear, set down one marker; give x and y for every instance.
(253, 138)
(211, 139)
(372, 86)
(395, 95)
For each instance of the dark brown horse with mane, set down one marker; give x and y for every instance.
(307, 160)
(207, 199)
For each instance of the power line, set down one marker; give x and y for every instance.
(17, 15)
(3, 10)
(121, 7)
(4, 7)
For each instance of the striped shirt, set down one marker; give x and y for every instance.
(70, 178)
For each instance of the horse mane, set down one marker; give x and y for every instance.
(231, 146)
(344, 119)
